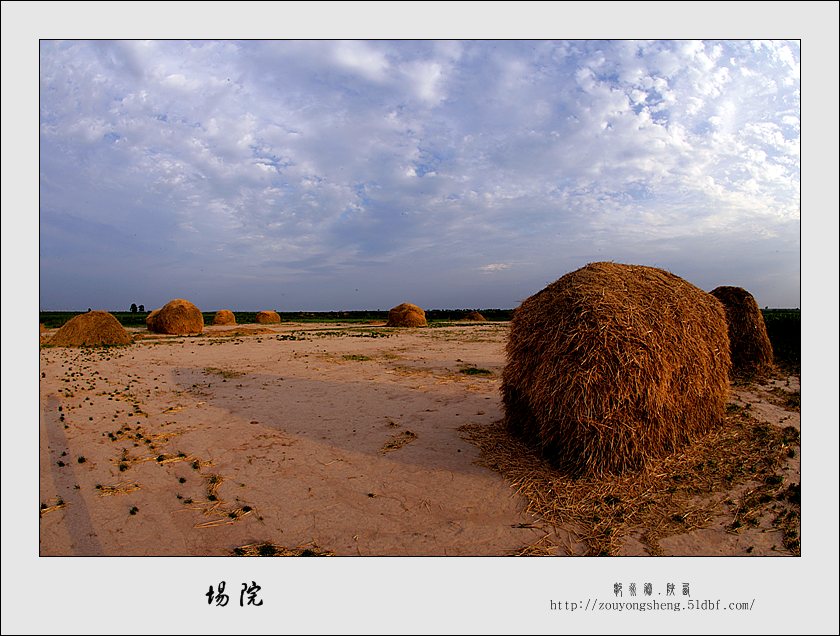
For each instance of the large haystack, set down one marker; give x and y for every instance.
(178, 317)
(92, 329)
(614, 364)
(406, 315)
(268, 317)
(224, 317)
(749, 343)
(474, 316)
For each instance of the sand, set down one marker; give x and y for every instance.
(338, 436)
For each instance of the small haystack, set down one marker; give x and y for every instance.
(749, 343)
(612, 365)
(41, 328)
(178, 317)
(406, 315)
(91, 329)
(474, 316)
(224, 317)
(268, 317)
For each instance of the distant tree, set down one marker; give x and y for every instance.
(89, 310)
(142, 308)
(133, 308)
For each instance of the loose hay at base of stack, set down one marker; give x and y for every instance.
(268, 317)
(224, 317)
(91, 329)
(474, 316)
(612, 365)
(406, 315)
(177, 317)
(749, 343)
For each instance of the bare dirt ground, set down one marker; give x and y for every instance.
(318, 438)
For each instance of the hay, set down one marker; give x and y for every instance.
(224, 317)
(474, 316)
(41, 328)
(122, 488)
(398, 441)
(672, 495)
(750, 348)
(92, 329)
(613, 365)
(268, 549)
(406, 315)
(178, 317)
(151, 318)
(268, 317)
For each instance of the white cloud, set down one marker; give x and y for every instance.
(361, 58)
(297, 157)
(495, 267)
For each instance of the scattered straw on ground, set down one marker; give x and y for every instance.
(225, 516)
(675, 494)
(243, 331)
(46, 508)
(268, 549)
(122, 488)
(398, 441)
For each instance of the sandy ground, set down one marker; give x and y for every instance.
(334, 437)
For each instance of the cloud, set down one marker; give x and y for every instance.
(495, 267)
(283, 161)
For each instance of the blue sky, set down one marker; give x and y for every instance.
(328, 175)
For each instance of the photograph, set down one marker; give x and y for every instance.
(502, 311)
(419, 298)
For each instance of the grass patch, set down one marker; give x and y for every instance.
(225, 373)
(475, 371)
(356, 357)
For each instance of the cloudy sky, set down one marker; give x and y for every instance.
(326, 175)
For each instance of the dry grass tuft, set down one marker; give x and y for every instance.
(122, 488)
(398, 441)
(268, 549)
(47, 508)
(613, 365)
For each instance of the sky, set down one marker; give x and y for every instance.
(339, 175)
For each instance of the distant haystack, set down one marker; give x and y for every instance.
(407, 315)
(91, 329)
(474, 316)
(613, 365)
(177, 317)
(749, 343)
(151, 318)
(268, 317)
(41, 328)
(224, 317)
